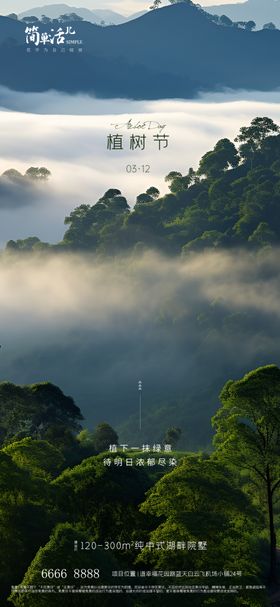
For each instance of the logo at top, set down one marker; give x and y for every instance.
(58, 37)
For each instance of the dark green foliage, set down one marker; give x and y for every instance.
(141, 198)
(59, 551)
(40, 410)
(26, 519)
(172, 436)
(224, 156)
(38, 456)
(203, 499)
(98, 224)
(154, 192)
(103, 437)
(33, 173)
(103, 498)
(27, 245)
(36, 173)
(69, 17)
(185, 502)
(248, 437)
(232, 200)
(252, 137)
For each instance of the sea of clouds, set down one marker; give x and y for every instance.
(68, 135)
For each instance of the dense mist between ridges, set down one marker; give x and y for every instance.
(94, 327)
(74, 289)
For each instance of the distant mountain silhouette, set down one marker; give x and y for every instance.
(95, 16)
(260, 11)
(136, 15)
(98, 16)
(175, 51)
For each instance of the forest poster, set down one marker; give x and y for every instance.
(139, 303)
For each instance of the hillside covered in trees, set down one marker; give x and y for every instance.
(79, 522)
(263, 12)
(186, 52)
(231, 200)
(181, 289)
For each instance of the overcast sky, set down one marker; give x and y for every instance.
(124, 7)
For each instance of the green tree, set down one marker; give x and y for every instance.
(25, 520)
(224, 20)
(30, 19)
(13, 175)
(111, 193)
(99, 224)
(248, 437)
(38, 173)
(85, 442)
(156, 4)
(104, 436)
(143, 198)
(172, 436)
(45, 19)
(85, 438)
(58, 554)
(70, 17)
(25, 245)
(150, 195)
(37, 456)
(269, 26)
(103, 498)
(222, 157)
(174, 178)
(177, 182)
(39, 410)
(250, 25)
(200, 498)
(252, 137)
(154, 192)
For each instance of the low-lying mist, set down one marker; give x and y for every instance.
(183, 326)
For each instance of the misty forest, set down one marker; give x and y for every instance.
(182, 291)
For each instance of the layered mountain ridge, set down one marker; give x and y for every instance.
(175, 51)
